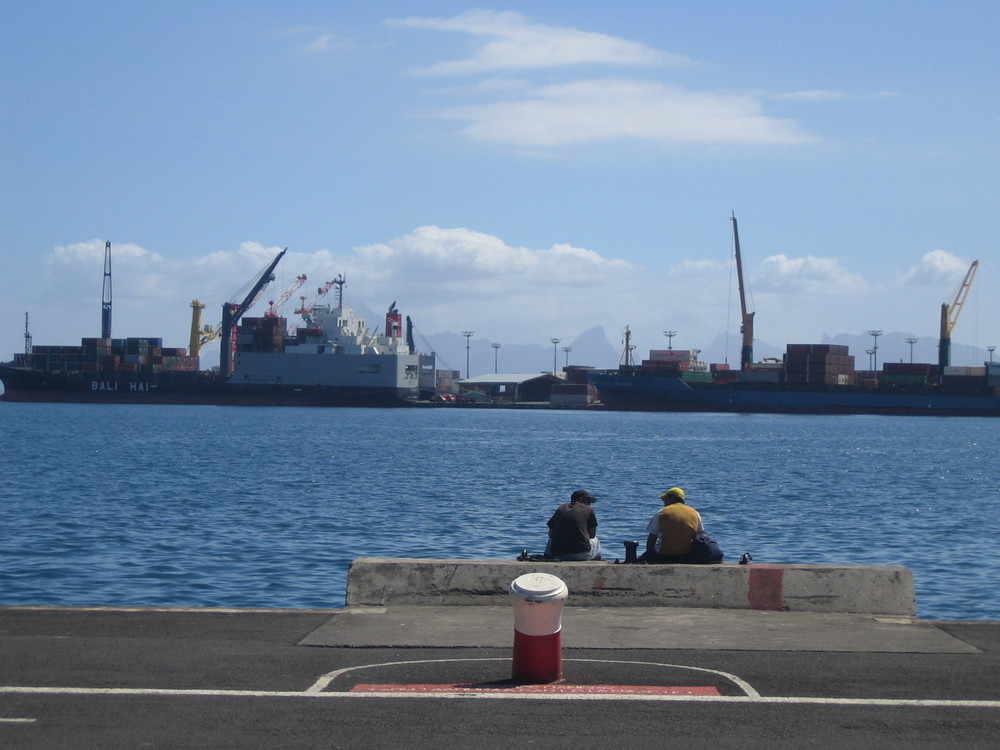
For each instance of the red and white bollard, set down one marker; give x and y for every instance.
(538, 602)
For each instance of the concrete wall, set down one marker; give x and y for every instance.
(887, 590)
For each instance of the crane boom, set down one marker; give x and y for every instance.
(950, 313)
(746, 318)
(231, 314)
(273, 307)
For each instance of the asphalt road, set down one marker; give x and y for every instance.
(79, 678)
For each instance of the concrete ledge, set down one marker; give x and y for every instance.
(884, 590)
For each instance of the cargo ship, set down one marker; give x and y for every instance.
(331, 359)
(809, 379)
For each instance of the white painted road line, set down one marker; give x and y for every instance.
(743, 699)
(561, 688)
(16, 721)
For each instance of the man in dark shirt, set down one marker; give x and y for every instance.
(573, 530)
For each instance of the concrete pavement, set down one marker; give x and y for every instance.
(437, 677)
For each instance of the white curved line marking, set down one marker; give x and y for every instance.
(323, 682)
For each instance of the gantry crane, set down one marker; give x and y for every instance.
(949, 316)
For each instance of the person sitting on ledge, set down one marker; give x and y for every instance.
(676, 534)
(573, 530)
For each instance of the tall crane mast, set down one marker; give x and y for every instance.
(27, 335)
(106, 296)
(746, 319)
(950, 313)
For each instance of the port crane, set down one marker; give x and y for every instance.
(273, 307)
(746, 318)
(320, 294)
(950, 313)
(231, 314)
(202, 335)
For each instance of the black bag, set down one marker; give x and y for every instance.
(704, 549)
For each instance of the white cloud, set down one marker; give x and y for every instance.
(816, 95)
(473, 263)
(453, 279)
(935, 267)
(809, 276)
(543, 116)
(92, 251)
(612, 108)
(319, 41)
(515, 42)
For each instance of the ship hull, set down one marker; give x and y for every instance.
(23, 385)
(639, 392)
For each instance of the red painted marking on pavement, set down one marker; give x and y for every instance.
(765, 588)
(538, 689)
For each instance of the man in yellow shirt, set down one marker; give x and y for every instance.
(672, 531)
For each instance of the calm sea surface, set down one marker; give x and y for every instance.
(266, 507)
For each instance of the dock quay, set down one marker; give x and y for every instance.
(420, 657)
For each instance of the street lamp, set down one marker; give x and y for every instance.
(468, 335)
(555, 343)
(875, 335)
(670, 338)
(991, 349)
(567, 349)
(496, 349)
(911, 340)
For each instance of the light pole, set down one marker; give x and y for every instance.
(871, 367)
(911, 340)
(991, 349)
(555, 343)
(875, 335)
(496, 350)
(468, 335)
(670, 338)
(567, 349)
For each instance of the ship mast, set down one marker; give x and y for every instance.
(27, 336)
(627, 360)
(746, 319)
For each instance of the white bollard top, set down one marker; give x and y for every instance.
(538, 587)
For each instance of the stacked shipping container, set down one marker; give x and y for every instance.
(826, 364)
(111, 355)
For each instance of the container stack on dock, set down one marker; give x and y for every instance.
(819, 364)
(111, 355)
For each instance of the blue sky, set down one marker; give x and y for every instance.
(523, 170)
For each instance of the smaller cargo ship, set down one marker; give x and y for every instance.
(332, 359)
(809, 379)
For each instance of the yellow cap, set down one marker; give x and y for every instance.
(674, 492)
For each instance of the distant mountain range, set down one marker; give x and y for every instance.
(589, 348)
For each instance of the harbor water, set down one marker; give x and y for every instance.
(266, 507)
